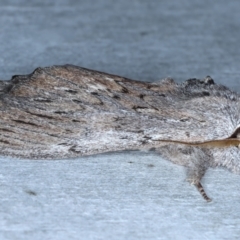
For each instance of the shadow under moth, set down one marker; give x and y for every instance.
(68, 111)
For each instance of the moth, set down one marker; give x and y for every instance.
(69, 111)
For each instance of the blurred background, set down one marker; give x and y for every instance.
(145, 40)
(128, 195)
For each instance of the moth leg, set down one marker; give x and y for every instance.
(194, 176)
(202, 191)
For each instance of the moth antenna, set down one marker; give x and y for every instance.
(200, 188)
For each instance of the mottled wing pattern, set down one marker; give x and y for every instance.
(67, 111)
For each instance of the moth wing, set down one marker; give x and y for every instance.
(67, 111)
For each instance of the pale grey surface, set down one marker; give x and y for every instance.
(107, 196)
(132, 195)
